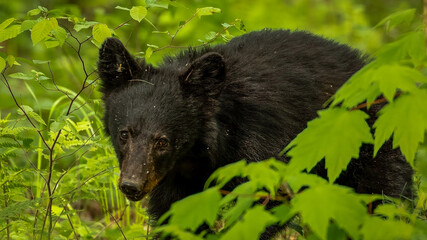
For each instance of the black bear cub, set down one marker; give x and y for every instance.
(173, 125)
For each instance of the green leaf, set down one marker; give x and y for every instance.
(186, 212)
(252, 224)
(122, 8)
(397, 18)
(390, 211)
(207, 11)
(34, 75)
(411, 44)
(51, 44)
(256, 172)
(100, 32)
(138, 13)
(2, 64)
(6, 23)
(57, 125)
(377, 228)
(43, 9)
(358, 88)
(283, 212)
(40, 61)
(28, 24)
(22, 76)
(406, 119)
(148, 52)
(26, 108)
(243, 193)
(84, 25)
(336, 136)
(158, 3)
(152, 45)
(42, 29)
(34, 12)
(209, 36)
(300, 180)
(36, 117)
(321, 204)
(10, 32)
(394, 77)
(176, 232)
(60, 34)
(10, 60)
(224, 174)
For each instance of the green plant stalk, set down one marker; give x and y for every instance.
(5, 204)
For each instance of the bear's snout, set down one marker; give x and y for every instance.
(130, 188)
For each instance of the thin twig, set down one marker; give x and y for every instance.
(109, 225)
(118, 225)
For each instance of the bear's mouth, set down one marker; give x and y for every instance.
(136, 197)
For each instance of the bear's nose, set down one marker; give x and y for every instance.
(130, 188)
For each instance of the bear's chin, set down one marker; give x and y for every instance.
(136, 197)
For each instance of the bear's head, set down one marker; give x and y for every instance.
(155, 116)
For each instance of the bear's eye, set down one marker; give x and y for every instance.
(162, 144)
(124, 135)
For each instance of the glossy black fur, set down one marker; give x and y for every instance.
(246, 99)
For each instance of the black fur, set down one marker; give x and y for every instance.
(246, 99)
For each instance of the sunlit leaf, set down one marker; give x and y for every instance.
(320, 204)
(138, 13)
(411, 44)
(391, 78)
(406, 119)
(36, 117)
(207, 11)
(376, 228)
(100, 32)
(186, 212)
(40, 61)
(28, 24)
(158, 3)
(23, 76)
(84, 25)
(10, 60)
(122, 8)
(224, 174)
(256, 173)
(336, 136)
(51, 44)
(10, 32)
(252, 224)
(26, 108)
(6, 23)
(42, 29)
(34, 12)
(244, 190)
(148, 52)
(2, 64)
(60, 34)
(397, 18)
(177, 232)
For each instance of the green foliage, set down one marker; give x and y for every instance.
(335, 136)
(138, 13)
(191, 207)
(58, 173)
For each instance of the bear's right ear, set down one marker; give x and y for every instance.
(115, 65)
(205, 76)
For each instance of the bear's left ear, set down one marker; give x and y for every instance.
(115, 65)
(205, 76)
